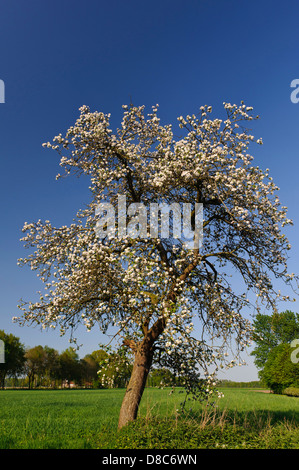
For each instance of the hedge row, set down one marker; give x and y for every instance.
(169, 434)
(291, 391)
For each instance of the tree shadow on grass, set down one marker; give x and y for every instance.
(231, 430)
(254, 419)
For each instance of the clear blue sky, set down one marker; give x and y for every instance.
(56, 56)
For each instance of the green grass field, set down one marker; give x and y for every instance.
(81, 419)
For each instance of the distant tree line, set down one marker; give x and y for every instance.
(233, 384)
(44, 367)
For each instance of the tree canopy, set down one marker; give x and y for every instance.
(14, 356)
(271, 331)
(279, 370)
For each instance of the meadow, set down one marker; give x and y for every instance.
(87, 419)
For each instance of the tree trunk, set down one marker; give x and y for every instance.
(134, 391)
(2, 380)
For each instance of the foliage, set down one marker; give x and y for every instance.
(88, 371)
(45, 367)
(291, 391)
(183, 434)
(272, 330)
(14, 356)
(189, 434)
(115, 368)
(35, 364)
(279, 371)
(232, 384)
(69, 366)
(51, 366)
(161, 378)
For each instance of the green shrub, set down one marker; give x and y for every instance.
(291, 391)
(172, 434)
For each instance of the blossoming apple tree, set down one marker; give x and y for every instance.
(165, 302)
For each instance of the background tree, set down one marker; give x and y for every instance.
(100, 354)
(160, 377)
(151, 288)
(14, 357)
(272, 330)
(51, 366)
(89, 371)
(115, 368)
(279, 371)
(35, 365)
(69, 366)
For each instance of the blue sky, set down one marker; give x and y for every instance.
(56, 56)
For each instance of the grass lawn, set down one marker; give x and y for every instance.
(68, 419)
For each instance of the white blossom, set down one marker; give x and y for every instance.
(156, 288)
